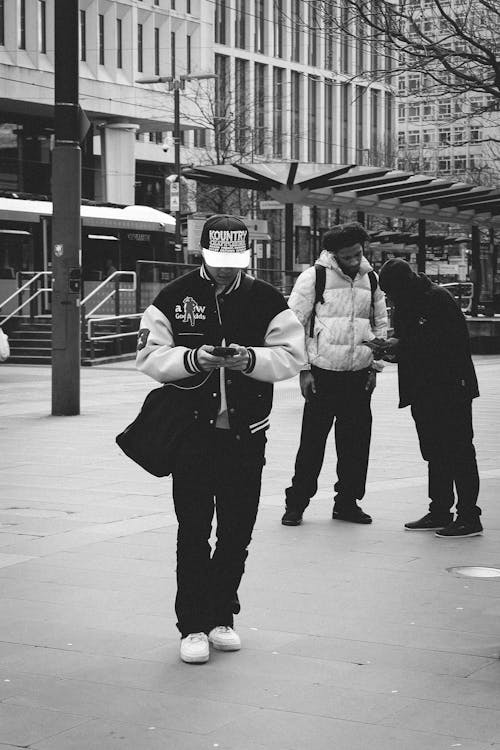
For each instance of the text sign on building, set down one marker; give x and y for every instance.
(269, 205)
(174, 196)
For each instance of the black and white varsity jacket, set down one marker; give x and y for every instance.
(188, 313)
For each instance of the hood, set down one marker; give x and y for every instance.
(328, 260)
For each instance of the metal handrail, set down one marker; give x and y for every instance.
(25, 286)
(106, 281)
(30, 299)
(104, 318)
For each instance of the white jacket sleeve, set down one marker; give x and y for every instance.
(379, 327)
(283, 354)
(157, 356)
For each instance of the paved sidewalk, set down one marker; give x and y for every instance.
(354, 637)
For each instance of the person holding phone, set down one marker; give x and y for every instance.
(222, 338)
(339, 379)
(438, 381)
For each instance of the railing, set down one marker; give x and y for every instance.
(116, 322)
(462, 292)
(33, 282)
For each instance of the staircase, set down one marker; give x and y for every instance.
(31, 344)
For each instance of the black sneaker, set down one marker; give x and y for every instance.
(460, 528)
(428, 523)
(291, 517)
(351, 512)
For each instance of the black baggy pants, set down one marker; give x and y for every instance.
(340, 396)
(443, 419)
(214, 471)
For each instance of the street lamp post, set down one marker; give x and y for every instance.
(175, 84)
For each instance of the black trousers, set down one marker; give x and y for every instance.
(214, 471)
(340, 396)
(444, 426)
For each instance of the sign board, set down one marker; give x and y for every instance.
(175, 204)
(270, 205)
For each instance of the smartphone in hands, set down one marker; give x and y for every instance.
(224, 351)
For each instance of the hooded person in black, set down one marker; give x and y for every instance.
(437, 379)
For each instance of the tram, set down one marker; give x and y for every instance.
(113, 239)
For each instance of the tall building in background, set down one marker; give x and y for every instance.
(128, 150)
(440, 132)
(298, 89)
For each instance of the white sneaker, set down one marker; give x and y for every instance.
(194, 648)
(224, 638)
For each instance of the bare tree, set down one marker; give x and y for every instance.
(232, 133)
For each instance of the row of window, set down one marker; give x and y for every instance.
(307, 22)
(266, 114)
(416, 111)
(444, 165)
(198, 138)
(159, 48)
(443, 136)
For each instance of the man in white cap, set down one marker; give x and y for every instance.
(223, 338)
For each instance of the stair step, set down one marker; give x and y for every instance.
(34, 343)
(17, 359)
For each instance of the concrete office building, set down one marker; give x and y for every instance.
(128, 151)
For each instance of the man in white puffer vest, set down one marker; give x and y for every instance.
(341, 376)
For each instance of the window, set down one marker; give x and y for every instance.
(444, 136)
(345, 104)
(401, 85)
(428, 111)
(222, 88)
(101, 39)
(475, 135)
(295, 108)
(312, 43)
(83, 36)
(172, 54)
(278, 22)
(156, 2)
(401, 112)
(21, 24)
(460, 163)
(401, 138)
(259, 97)
(220, 21)
(329, 121)
(413, 112)
(374, 119)
(414, 138)
(278, 98)
(312, 119)
(242, 128)
(296, 29)
(240, 24)
(140, 51)
(476, 103)
(458, 135)
(444, 110)
(188, 54)
(444, 164)
(346, 39)
(427, 136)
(199, 138)
(329, 31)
(2, 23)
(259, 26)
(42, 26)
(172, 4)
(157, 51)
(119, 43)
(413, 83)
(360, 122)
(188, 6)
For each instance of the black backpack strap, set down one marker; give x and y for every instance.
(373, 286)
(319, 288)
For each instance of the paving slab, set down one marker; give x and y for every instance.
(354, 637)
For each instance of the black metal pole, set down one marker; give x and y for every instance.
(421, 254)
(177, 157)
(66, 229)
(475, 272)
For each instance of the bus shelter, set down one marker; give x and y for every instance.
(367, 190)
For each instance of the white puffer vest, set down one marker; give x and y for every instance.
(343, 322)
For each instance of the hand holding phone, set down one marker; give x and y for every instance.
(224, 351)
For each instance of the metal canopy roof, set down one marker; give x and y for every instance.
(374, 190)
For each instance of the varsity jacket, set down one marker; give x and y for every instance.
(188, 313)
(342, 322)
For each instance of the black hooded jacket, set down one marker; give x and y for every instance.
(434, 350)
